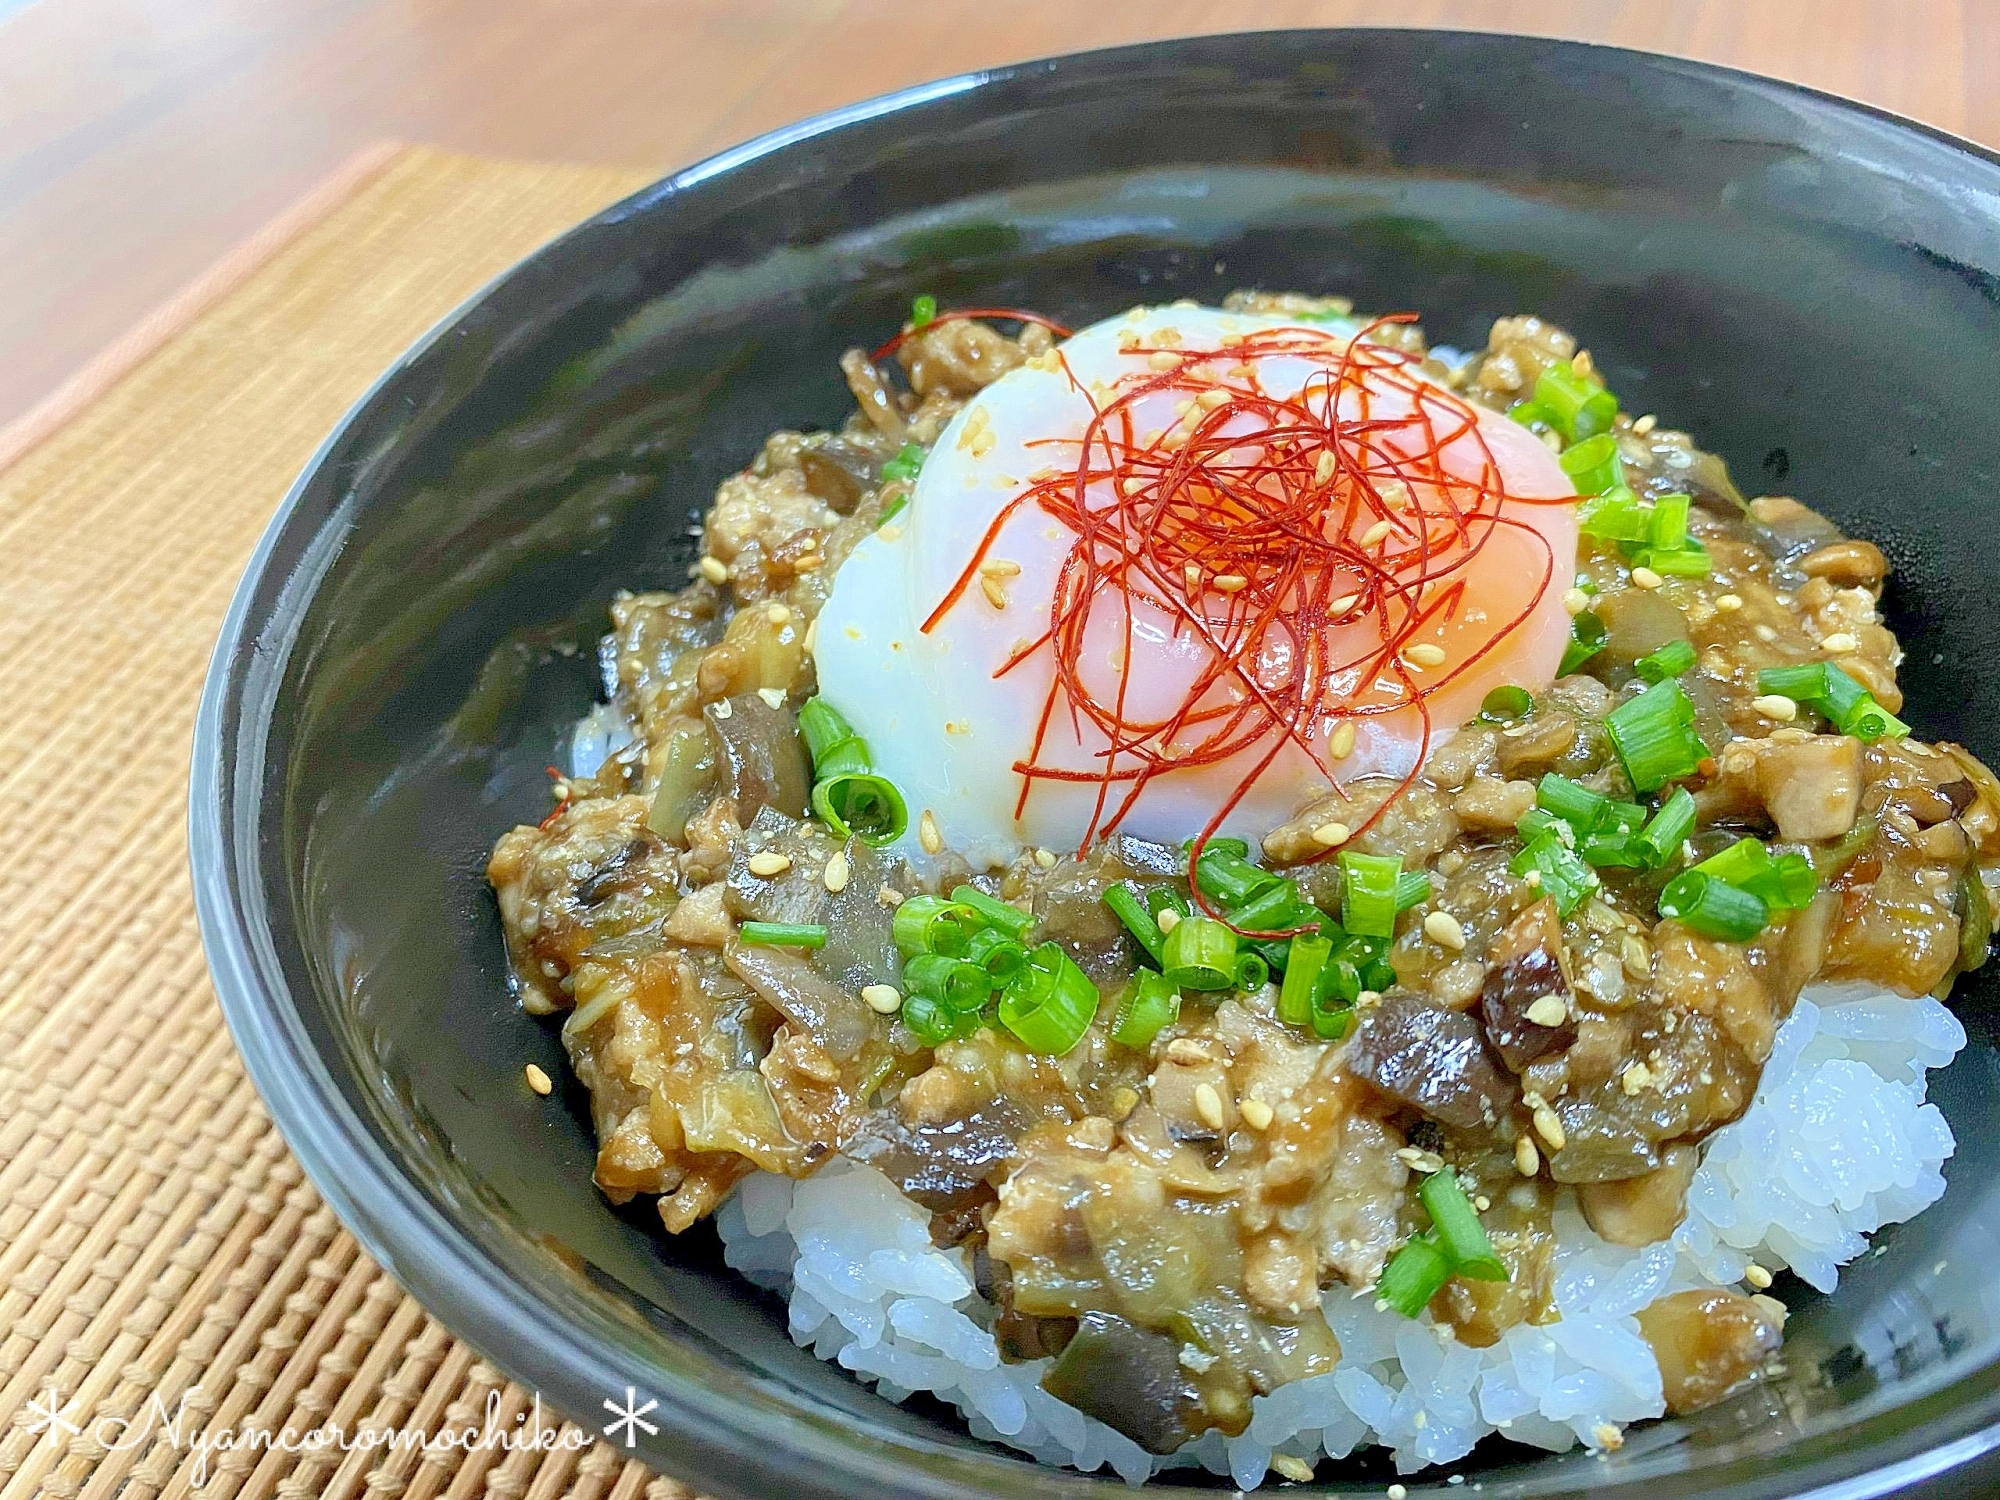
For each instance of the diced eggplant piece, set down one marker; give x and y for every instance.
(1432, 1059)
(839, 472)
(941, 1165)
(1641, 1210)
(1526, 968)
(762, 758)
(1707, 1341)
(1130, 1379)
(833, 1017)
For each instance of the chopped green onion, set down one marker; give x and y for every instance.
(1150, 1005)
(1690, 561)
(1668, 662)
(1574, 803)
(1586, 638)
(931, 924)
(905, 465)
(1308, 956)
(1563, 875)
(1528, 413)
(957, 984)
(892, 510)
(923, 310)
(1164, 898)
(1369, 888)
(783, 934)
(1276, 908)
(1714, 908)
(1575, 407)
(996, 953)
(1050, 1004)
(928, 1020)
(862, 804)
(1368, 958)
(1593, 465)
(1200, 954)
(822, 726)
(1414, 1275)
(1617, 515)
(1739, 864)
(1413, 888)
(1668, 828)
(1505, 703)
(1786, 883)
(1654, 736)
(1829, 691)
(1138, 921)
(1332, 1012)
(1459, 1232)
(1615, 848)
(1670, 522)
(1252, 973)
(1009, 919)
(1238, 847)
(1226, 877)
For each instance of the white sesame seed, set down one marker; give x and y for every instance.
(1230, 583)
(834, 876)
(767, 863)
(714, 569)
(1840, 643)
(889, 533)
(1162, 360)
(999, 567)
(1728, 603)
(773, 697)
(1256, 1114)
(1288, 1466)
(1527, 1160)
(1343, 604)
(1046, 858)
(1323, 467)
(1425, 654)
(1331, 835)
(883, 999)
(1775, 706)
(1442, 928)
(777, 614)
(1208, 1104)
(1575, 601)
(541, 1083)
(1549, 1128)
(928, 835)
(1646, 578)
(1757, 1276)
(1168, 919)
(994, 590)
(1548, 1010)
(1645, 425)
(1635, 1080)
(1340, 744)
(1376, 533)
(721, 709)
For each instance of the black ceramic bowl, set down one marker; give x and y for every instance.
(1810, 286)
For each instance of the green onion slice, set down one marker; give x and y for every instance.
(1505, 703)
(1654, 736)
(1563, 874)
(1829, 691)
(931, 924)
(1277, 908)
(1226, 877)
(1668, 662)
(1252, 972)
(1689, 561)
(1368, 893)
(905, 465)
(957, 984)
(1574, 406)
(1200, 954)
(1009, 919)
(1576, 804)
(1459, 1232)
(862, 804)
(1668, 828)
(1413, 888)
(1138, 921)
(1586, 638)
(1050, 1004)
(1593, 465)
(1670, 522)
(1714, 908)
(1414, 1275)
(928, 1020)
(1302, 969)
(1617, 515)
(822, 726)
(782, 934)
(999, 955)
(1150, 1005)
(923, 310)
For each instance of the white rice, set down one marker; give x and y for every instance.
(1837, 1143)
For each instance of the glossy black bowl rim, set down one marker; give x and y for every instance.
(377, 1199)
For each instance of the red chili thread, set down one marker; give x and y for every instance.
(1236, 490)
(563, 790)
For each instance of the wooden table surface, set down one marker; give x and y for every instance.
(141, 139)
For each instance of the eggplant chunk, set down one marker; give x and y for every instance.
(763, 760)
(1526, 968)
(1130, 1379)
(1433, 1059)
(1708, 1342)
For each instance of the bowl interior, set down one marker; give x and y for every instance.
(1806, 286)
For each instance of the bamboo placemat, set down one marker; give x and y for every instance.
(160, 1251)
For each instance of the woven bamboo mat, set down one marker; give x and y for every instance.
(160, 1251)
